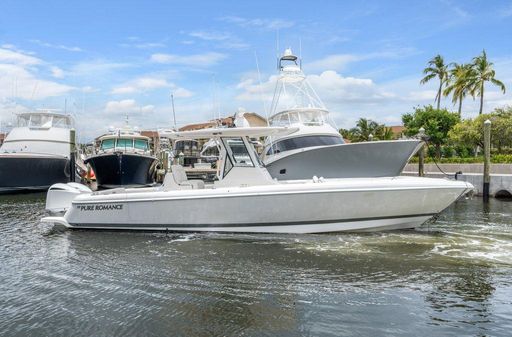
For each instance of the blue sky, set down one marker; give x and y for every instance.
(106, 59)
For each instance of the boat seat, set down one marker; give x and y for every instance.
(178, 180)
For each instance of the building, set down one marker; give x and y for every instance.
(398, 131)
(253, 118)
(225, 122)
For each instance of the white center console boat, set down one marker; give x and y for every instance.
(247, 199)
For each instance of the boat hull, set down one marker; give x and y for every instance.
(355, 160)
(298, 208)
(122, 169)
(27, 173)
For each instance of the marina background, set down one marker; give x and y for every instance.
(101, 60)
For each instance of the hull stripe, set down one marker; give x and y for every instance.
(289, 223)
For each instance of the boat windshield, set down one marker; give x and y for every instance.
(61, 122)
(141, 144)
(124, 143)
(108, 144)
(303, 142)
(306, 117)
(43, 121)
(237, 151)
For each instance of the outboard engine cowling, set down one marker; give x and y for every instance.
(60, 196)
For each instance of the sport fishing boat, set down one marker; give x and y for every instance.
(246, 198)
(123, 158)
(318, 148)
(36, 153)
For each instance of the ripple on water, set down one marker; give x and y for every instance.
(453, 277)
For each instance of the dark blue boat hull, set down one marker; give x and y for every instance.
(26, 174)
(122, 169)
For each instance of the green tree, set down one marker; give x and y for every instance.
(385, 133)
(483, 72)
(470, 131)
(345, 133)
(436, 122)
(366, 127)
(459, 83)
(436, 69)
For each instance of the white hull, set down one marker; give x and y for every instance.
(299, 207)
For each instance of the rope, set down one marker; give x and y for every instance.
(439, 168)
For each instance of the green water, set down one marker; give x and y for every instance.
(452, 277)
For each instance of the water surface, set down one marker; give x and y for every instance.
(452, 277)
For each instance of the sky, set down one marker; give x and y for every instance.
(103, 60)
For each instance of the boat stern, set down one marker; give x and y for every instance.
(60, 196)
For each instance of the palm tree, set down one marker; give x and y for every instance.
(436, 68)
(364, 128)
(483, 72)
(459, 82)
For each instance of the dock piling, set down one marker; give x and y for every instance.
(421, 154)
(72, 152)
(487, 160)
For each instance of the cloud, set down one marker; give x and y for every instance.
(221, 39)
(210, 36)
(270, 24)
(20, 82)
(143, 45)
(57, 72)
(148, 83)
(127, 106)
(331, 86)
(98, 68)
(182, 93)
(141, 84)
(15, 57)
(340, 61)
(200, 60)
(56, 46)
(334, 62)
(18, 77)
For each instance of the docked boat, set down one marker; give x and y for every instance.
(245, 198)
(123, 158)
(36, 153)
(318, 148)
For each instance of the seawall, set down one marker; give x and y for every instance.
(501, 176)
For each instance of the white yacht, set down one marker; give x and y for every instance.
(318, 148)
(123, 158)
(246, 198)
(36, 153)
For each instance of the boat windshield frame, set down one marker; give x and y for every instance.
(44, 121)
(115, 146)
(300, 116)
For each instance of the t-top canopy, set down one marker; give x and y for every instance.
(229, 132)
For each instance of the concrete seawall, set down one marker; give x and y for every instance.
(501, 176)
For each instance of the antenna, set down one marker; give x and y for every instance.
(173, 111)
(277, 48)
(300, 53)
(261, 88)
(34, 90)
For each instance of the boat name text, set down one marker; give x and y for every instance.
(100, 207)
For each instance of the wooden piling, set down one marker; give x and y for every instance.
(72, 153)
(487, 159)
